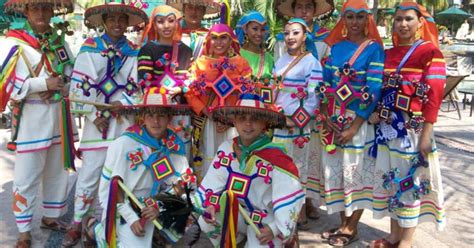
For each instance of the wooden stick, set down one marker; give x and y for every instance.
(247, 218)
(98, 104)
(136, 201)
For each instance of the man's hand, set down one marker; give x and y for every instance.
(54, 83)
(220, 128)
(116, 105)
(137, 229)
(289, 123)
(266, 235)
(150, 213)
(211, 210)
(346, 136)
(46, 95)
(101, 123)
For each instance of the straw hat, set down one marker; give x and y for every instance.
(212, 7)
(60, 7)
(323, 7)
(155, 100)
(253, 105)
(93, 15)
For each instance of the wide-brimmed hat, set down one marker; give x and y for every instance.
(93, 17)
(212, 7)
(323, 8)
(250, 104)
(155, 100)
(60, 7)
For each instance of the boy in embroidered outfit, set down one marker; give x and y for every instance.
(105, 71)
(149, 158)
(258, 172)
(40, 65)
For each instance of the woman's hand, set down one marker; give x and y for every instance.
(289, 123)
(374, 118)
(346, 135)
(424, 145)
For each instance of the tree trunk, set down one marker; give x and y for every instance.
(375, 10)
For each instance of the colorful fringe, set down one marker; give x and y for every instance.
(230, 217)
(110, 223)
(68, 150)
(6, 74)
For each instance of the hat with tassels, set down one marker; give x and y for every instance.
(60, 7)
(155, 100)
(93, 17)
(253, 105)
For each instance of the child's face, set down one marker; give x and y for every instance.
(249, 127)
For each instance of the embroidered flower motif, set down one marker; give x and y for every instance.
(300, 141)
(263, 170)
(211, 199)
(135, 158)
(224, 159)
(300, 93)
(170, 143)
(188, 177)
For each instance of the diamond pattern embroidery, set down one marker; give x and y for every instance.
(266, 94)
(301, 117)
(344, 93)
(403, 102)
(162, 168)
(223, 86)
(239, 185)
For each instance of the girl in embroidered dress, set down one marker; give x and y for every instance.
(407, 173)
(219, 76)
(260, 175)
(352, 83)
(252, 31)
(298, 72)
(164, 61)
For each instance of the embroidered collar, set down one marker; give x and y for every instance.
(171, 143)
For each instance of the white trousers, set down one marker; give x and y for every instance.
(88, 182)
(32, 169)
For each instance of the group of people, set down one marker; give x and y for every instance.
(209, 123)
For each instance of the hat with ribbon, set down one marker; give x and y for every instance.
(154, 100)
(93, 17)
(253, 105)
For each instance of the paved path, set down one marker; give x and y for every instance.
(455, 138)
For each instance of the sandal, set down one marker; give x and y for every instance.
(87, 239)
(71, 238)
(56, 225)
(383, 243)
(23, 243)
(329, 233)
(312, 213)
(303, 225)
(346, 239)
